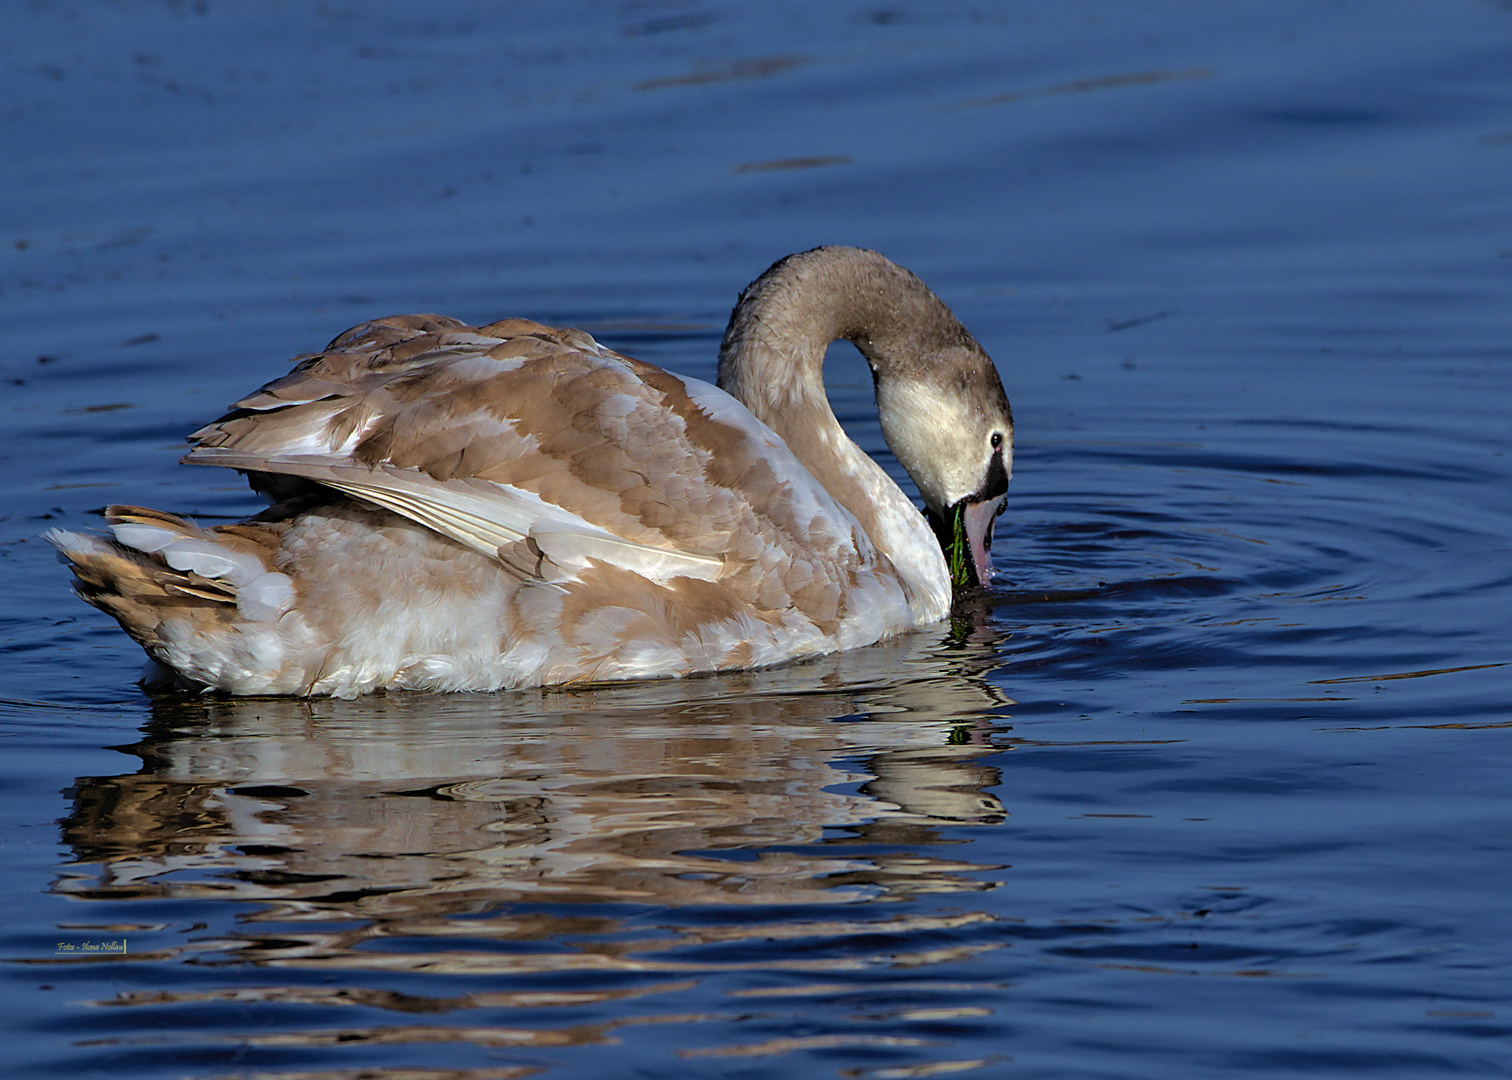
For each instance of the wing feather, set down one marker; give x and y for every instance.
(531, 445)
(484, 516)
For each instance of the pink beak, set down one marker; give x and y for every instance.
(978, 517)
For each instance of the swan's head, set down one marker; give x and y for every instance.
(941, 403)
(949, 424)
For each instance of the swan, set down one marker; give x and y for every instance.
(511, 505)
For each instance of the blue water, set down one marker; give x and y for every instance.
(1217, 781)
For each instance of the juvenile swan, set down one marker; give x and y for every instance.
(473, 508)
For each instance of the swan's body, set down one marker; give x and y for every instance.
(461, 508)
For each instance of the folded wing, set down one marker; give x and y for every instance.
(541, 448)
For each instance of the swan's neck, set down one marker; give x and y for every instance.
(772, 361)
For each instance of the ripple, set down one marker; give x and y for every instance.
(1220, 557)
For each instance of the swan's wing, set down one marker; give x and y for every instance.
(541, 448)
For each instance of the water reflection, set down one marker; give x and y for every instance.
(420, 815)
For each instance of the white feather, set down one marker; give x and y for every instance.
(266, 597)
(481, 514)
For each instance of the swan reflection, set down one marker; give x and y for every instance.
(827, 782)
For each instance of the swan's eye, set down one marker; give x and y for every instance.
(997, 440)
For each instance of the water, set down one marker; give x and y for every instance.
(1215, 783)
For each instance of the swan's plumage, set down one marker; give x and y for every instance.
(463, 507)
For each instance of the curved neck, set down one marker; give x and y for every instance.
(772, 361)
(773, 350)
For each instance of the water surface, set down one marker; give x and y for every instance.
(1216, 781)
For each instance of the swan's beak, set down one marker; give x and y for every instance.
(967, 540)
(976, 521)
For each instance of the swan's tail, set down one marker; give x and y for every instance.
(180, 591)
